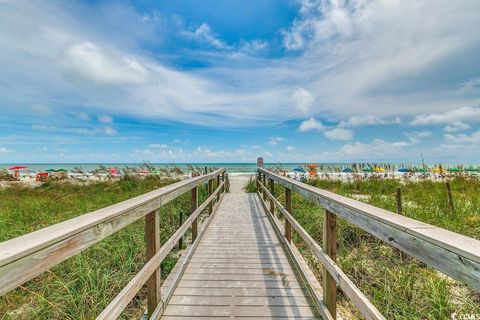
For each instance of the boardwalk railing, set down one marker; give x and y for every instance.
(26, 257)
(453, 254)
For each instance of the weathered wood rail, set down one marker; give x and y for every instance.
(25, 257)
(456, 255)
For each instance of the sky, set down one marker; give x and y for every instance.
(227, 81)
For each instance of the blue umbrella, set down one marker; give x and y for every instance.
(347, 170)
(404, 170)
(299, 170)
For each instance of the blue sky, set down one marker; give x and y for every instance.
(214, 81)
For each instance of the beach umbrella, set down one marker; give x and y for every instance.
(16, 168)
(299, 170)
(42, 174)
(312, 166)
(114, 171)
(472, 169)
(404, 170)
(454, 169)
(61, 170)
(348, 170)
(50, 170)
(367, 169)
(379, 170)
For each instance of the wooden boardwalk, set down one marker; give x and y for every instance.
(240, 269)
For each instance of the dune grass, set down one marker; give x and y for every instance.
(401, 287)
(80, 287)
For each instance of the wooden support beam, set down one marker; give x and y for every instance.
(210, 191)
(152, 237)
(180, 222)
(218, 185)
(272, 187)
(194, 207)
(223, 180)
(264, 182)
(330, 248)
(288, 207)
(398, 197)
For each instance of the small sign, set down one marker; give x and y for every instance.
(260, 162)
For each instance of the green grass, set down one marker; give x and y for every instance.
(82, 286)
(401, 287)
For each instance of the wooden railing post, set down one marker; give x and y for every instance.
(257, 180)
(152, 238)
(330, 248)
(194, 207)
(180, 222)
(264, 181)
(288, 207)
(398, 197)
(210, 191)
(272, 205)
(224, 182)
(218, 185)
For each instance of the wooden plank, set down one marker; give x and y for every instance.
(238, 292)
(152, 239)
(246, 311)
(330, 248)
(272, 284)
(240, 301)
(455, 255)
(25, 257)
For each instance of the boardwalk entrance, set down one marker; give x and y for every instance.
(240, 268)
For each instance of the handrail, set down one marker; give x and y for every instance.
(25, 257)
(114, 309)
(456, 255)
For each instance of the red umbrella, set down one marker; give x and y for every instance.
(18, 168)
(42, 174)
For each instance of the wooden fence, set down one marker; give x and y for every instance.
(25, 257)
(456, 255)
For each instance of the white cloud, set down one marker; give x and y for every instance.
(158, 145)
(459, 126)
(204, 34)
(105, 119)
(339, 134)
(290, 148)
(91, 63)
(311, 124)
(5, 150)
(378, 147)
(303, 100)
(275, 140)
(456, 119)
(474, 138)
(366, 120)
